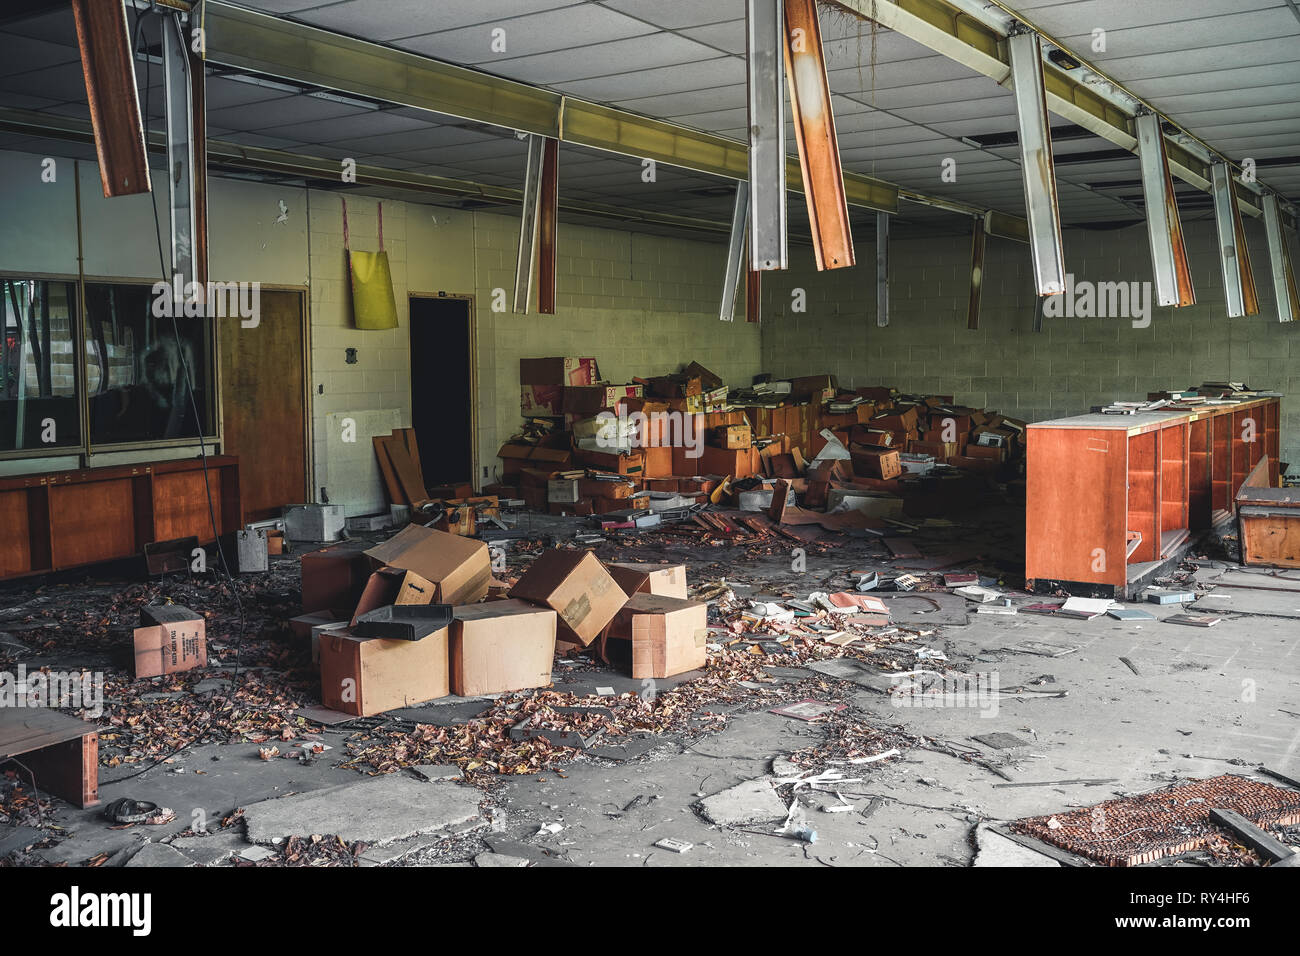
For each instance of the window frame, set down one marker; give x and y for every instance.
(86, 448)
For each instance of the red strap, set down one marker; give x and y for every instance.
(381, 227)
(345, 224)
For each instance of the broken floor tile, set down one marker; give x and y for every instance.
(158, 854)
(753, 801)
(499, 859)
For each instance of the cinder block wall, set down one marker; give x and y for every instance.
(641, 305)
(1072, 364)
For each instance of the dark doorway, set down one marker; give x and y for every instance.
(442, 410)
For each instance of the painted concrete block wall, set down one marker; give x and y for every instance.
(641, 305)
(1072, 364)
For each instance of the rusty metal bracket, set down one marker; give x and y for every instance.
(1164, 229)
(882, 269)
(976, 273)
(109, 68)
(548, 226)
(814, 129)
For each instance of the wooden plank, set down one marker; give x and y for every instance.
(407, 474)
(1262, 842)
(391, 484)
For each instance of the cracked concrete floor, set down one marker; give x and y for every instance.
(1194, 703)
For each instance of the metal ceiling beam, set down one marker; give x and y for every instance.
(109, 69)
(326, 171)
(765, 111)
(1279, 257)
(1164, 228)
(969, 40)
(1234, 257)
(178, 89)
(247, 40)
(814, 128)
(735, 253)
(1036, 168)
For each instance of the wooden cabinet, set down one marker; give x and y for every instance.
(66, 519)
(1109, 497)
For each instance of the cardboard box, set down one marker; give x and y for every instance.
(368, 676)
(563, 491)
(675, 386)
(393, 586)
(459, 567)
(558, 371)
(576, 586)
(603, 488)
(875, 462)
(546, 401)
(171, 638)
(658, 463)
(731, 436)
(587, 400)
(665, 580)
(333, 578)
(633, 464)
(738, 463)
(501, 646)
(686, 461)
(813, 388)
(668, 635)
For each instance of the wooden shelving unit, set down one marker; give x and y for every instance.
(1109, 497)
(66, 519)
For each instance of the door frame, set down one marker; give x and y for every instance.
(304, 299)
(472, 319)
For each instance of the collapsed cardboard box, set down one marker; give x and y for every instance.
(393, 586)
(501, 646)
(667, 580)
(459, 568)
(567, 370)
(367, 676)
(667, 635)
(576, 586)
(333, 578)
(170, 638)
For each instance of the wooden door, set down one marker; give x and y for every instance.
(262, 404)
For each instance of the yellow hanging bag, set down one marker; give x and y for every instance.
(373, 304)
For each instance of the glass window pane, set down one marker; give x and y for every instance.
(136, 365)
(38, 387)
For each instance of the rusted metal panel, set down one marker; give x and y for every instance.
(199, 118)
(814, 128)
(976, 274)
(1238, 277)
(1164, 229)
(548, 226)
(753, 296)
(109, 69)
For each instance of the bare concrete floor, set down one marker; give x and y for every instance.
(1190, 702)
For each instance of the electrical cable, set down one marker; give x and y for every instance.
(198, 422)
